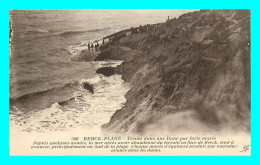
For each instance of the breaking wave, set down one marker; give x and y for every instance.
(37, 31)
(67, 33)
(43, 99)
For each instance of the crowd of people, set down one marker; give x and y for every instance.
(93, 46)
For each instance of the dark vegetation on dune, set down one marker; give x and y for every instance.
(106, 71)
(114, 53)
(197, 65)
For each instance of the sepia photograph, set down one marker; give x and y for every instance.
(148, 82)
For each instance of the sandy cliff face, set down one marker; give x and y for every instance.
(190, 74)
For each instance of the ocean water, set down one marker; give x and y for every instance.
(46, 92)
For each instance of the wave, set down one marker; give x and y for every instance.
(67, 33)
(37, 31)
(44, 99)
(30, 17)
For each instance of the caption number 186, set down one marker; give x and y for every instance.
(75, 138)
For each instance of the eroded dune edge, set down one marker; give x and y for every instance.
(191, 74)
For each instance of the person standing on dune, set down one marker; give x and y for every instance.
(88, 47)
(96, 47)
